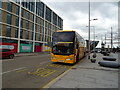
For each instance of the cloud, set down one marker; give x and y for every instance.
(75, 16)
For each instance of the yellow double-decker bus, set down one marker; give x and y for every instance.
(67, 47)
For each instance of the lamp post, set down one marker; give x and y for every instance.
(89, 33)
(89, 37)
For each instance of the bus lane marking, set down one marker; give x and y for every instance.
(57, 66)
(43, 72)
(54, 65)
(59, 76)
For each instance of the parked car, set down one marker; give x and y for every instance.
(6, 53)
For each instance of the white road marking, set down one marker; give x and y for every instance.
(13, 70)
(6, 60)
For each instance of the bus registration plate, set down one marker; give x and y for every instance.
(61, 61)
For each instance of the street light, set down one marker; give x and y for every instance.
(89, 30)
(89, 37)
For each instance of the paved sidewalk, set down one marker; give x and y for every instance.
(30, 54)
(88, 75)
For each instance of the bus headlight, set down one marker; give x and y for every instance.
(53, 57)
(69, 59)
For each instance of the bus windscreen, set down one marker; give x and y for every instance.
(63, 37)
(63, 43)
(63, 48)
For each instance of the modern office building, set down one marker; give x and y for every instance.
(27, 26)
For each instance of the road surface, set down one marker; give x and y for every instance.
(30, 71)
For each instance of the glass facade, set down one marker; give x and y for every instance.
(17, 21)
(34, 27)
(32, 17)
(29, 5)
(0, 29)
(9, 6)
(8, 31)
(54, 19)
(48, 14)
(21, 33)
(0, 15)
(27, 24)
(40, 9)
(17, 10)
(27, 34)
(21, 23)
(0, 4)
(21, 12)
(27, 15)
(16, 33)
(9, 16)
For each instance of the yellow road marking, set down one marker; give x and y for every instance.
(64, 42)
(61, 74)
(43, 72)
(57, 66)
(47, 73)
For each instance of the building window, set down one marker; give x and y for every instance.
(17, 1)
(8, 31)
(16, 33)
(48, 14)
(32, 17)
(39, 28)
(27, 24)
(21, 33)
(17, 21)
(27, 34)
(30, 6)
(0, 30)
(38, 37)
(23, 4)
(40, 9)
(21, 23)
(27, 15)
(27, 5)
(0, 3)
(38, 20)
(33, 5)
(54, 19)
(21, 12)
(1, 16)
(17, 10)
(9, 6)
(35, 36)
(9, 16)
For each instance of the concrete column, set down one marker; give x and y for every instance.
(44, 27)
(51, 24)
(19, 27)
(34, 27)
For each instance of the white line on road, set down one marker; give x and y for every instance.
(7, 60)
(13, 70)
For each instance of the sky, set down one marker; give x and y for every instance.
(75, 17)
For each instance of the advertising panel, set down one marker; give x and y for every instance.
(11, 46)
(38, 48)
(46, 48)
(26, 48)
